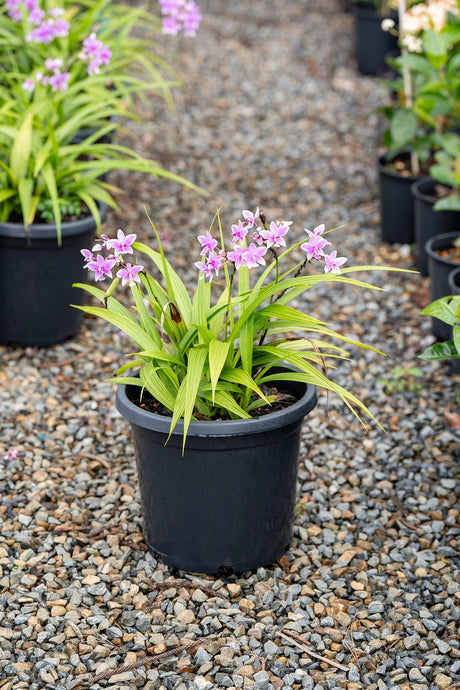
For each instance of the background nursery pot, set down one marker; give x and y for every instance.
(454, 281)
(36, 281)
(228, 502)
(396, 203)
(372, 42)
(439, 268)
(428, 222)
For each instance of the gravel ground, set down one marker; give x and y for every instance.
(272, 113)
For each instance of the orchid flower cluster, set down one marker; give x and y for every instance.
(209, 356)
(262, 237)
(180, 15)
(46, 27)
(254, 228)
(102, 266)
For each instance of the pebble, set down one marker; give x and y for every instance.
(265, 117)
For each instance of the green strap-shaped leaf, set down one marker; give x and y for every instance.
(196, 359)
(145, 318)
(218, 351)
(241, 377)
(127, 325)
(227, 402)
(21, 148)
(50, 181)
(177, 292)
(160, 387)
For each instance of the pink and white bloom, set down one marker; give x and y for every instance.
(207, 242)
(250, 217)
(253, 256)
(122, 245)
(239, 232)
(236, 256)
(332, 262)
(205, 270)
(95, 53)
(87, 255)
(28, 85)
(274, 236)
(102, 267)
(59, 81)
(316, 244)
(180, 15)
(53, 65)
(43, 33)
(213, 263)
(11, 454)
(130, 274)
(102, 244)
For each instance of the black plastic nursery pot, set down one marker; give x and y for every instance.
(439, 269)
(227, 504)
(396, 203)
(454, 281)
(427, 222)
(454, 289)
(372, 43)
(36, 281)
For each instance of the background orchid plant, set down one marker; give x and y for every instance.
(68, 77)
(205, 358)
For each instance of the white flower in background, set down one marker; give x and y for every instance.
(429, 15)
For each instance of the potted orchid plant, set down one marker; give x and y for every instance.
(68, 78)
(219, 383)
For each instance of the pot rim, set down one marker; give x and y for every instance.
(441, 238)
(232, 427)
(421, 182)
(46, 231)
(384, 170)
(451, 279)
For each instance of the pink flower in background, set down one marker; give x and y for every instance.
(180, 15)
(95, 53)
(59, 81)
(28, 85)
(11, 454)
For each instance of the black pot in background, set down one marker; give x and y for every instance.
(372, 42)
(428, 222)
(36, 280)
(454, 281)
(439, 269)
(396, 203)
(227, 504)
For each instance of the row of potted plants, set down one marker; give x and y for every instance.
(419, 171)
(69, 77)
